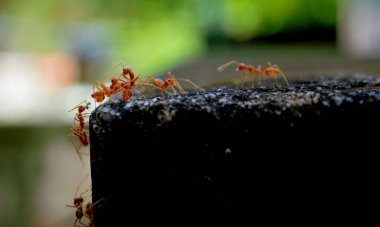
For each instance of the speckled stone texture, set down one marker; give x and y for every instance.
(259, 150)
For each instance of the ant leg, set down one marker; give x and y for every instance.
(277, 85)
(75, 223)
(80, 221)
(282, 74)
(245, 78)
(115, 67)
(267, 65)
(174, 91)
(100, 201)
(83, 225)
(76, 148)
(140, 93)
(143, 85)
(259, 76)
(148, 82)
(192, 83)
(121, 64)
(163, 90)
(86, 114)
(77, 106)
(222, 67)
(178, 86)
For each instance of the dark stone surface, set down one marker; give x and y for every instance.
(260, 150)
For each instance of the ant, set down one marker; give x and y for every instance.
(270, 70)
(127, 86)
(78, 204)
(117, 85)
(171, 82)
(90, 210)
(125, 71)
(78, 129)
(80, 116)
(130, 82)
(102, 92)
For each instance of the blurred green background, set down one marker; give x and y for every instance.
(51, 52)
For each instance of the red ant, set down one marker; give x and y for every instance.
(270, 70)
(117, 85)
(90, 210)
(78, 204)
(80, 116)
(78, 130)
(102, 92)
(125, 71)
(171, 82)
(130, 82)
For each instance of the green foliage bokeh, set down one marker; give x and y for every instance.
(154, 35)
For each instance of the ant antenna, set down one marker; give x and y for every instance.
(222, 67)
(77, 106)
(84, 179)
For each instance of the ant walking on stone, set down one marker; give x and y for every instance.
(78, 130)
(272, 71)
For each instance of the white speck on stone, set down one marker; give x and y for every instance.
(155, 99)
(338, 100)
(316, 98)
(223, 100)
(128, 105)
(210, 96)
(207, 108)
(349, 99)
(106, 109)
(165, 115)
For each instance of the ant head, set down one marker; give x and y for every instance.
(241, 67)
(250, 68)
(78, 201)
(128, 71)
(114, 80)
(171, 81)
(81, 109)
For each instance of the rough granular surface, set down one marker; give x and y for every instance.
(228, 148)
